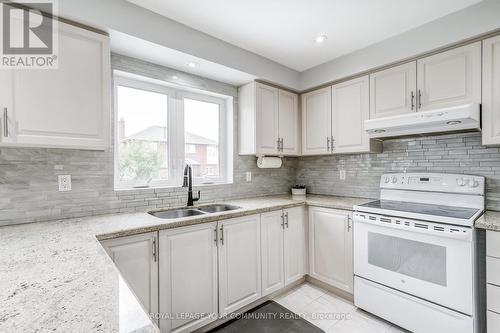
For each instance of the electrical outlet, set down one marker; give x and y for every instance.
(249, 176)
(342, 174)
(64, 182)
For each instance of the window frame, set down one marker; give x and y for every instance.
(175, 132)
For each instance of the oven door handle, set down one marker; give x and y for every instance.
(458, 235)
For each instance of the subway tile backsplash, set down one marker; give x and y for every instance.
(454, 153)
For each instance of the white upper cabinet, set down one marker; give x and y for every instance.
(137, 260)
(267, 118)
(350, 109)
(67, 107)
(268, 121)
(449, 78)
(289, 130)
(317, 121)
(330, 247)
(239, 263)
(188, 273)
(491, 91)
(271, 232)
(393, 91)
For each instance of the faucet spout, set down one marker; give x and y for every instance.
(188, 182)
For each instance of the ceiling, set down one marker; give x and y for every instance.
(285, 30)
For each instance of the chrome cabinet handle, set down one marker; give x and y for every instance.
(412, 100)
(286, 218)
(349, 226)
(281, 144)
(155, 257)
(278, 144)
(282, 220)
(419, 98)
(5, 122)
(222, 234)
(327, 144)
(215, 235)
(333, 141)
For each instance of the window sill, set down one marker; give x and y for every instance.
(172, 187)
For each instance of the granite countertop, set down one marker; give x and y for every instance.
(489, 221)
(55, 276)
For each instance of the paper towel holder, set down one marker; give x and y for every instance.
(268, 162)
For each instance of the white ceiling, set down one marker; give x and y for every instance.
(141, 49)
(284, 30)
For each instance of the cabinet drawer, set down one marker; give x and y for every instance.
(493, 298)
(493, 244)
(493, 270)
(493, 322)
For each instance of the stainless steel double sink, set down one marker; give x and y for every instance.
(192, 211)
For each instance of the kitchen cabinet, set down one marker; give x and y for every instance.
(239, 263)
(272, 226)
(330, 247)
(268, 121)
(393, 91)
(294, 244)
(449, 78)
(283, 244)
(137, 260)
(350, 109)
(493, 280)
(491, 87)
(317, 121)
(67, 107)
(188, 276)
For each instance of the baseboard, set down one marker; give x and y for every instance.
(338, 292)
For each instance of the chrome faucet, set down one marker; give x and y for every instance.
(188, 182)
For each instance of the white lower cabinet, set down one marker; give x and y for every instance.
(283, 244)
(188, 277)
(239, 263)
(493, 280)
(330, 247)
(137, 260)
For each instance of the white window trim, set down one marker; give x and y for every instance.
(176, 140)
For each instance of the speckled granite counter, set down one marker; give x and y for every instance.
(56, 277)
(489, 221)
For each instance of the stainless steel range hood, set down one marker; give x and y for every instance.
(456, 118)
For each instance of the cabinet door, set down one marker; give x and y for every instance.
(450, 78)
(330, 247)
(267, 119)
(239, 263)
(295, 244)
(188, 276)
(491, 89)
(271, 232)
(289, 122)
(68, 106)
(6, 107)
(350, 109)
(393, 91)
(316, 121)
(136, 259)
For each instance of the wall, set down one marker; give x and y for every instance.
(28, 177)
(456, 153)
(450, 29)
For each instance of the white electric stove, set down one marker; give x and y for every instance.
(416, 258)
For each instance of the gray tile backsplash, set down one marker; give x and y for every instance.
(455, 153)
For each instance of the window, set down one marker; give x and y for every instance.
(159, 129)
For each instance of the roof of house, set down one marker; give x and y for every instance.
(159, 134)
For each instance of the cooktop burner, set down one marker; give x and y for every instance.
(421, 208)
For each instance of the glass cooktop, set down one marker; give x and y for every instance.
(421, 208)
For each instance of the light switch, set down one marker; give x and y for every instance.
(64, 182)
(249, 176)
(342, 174)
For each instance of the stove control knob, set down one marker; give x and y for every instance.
(394, 180)
(387, 179)
(473, 183)
(461, 182)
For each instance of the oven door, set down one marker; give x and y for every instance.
(429, 260)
